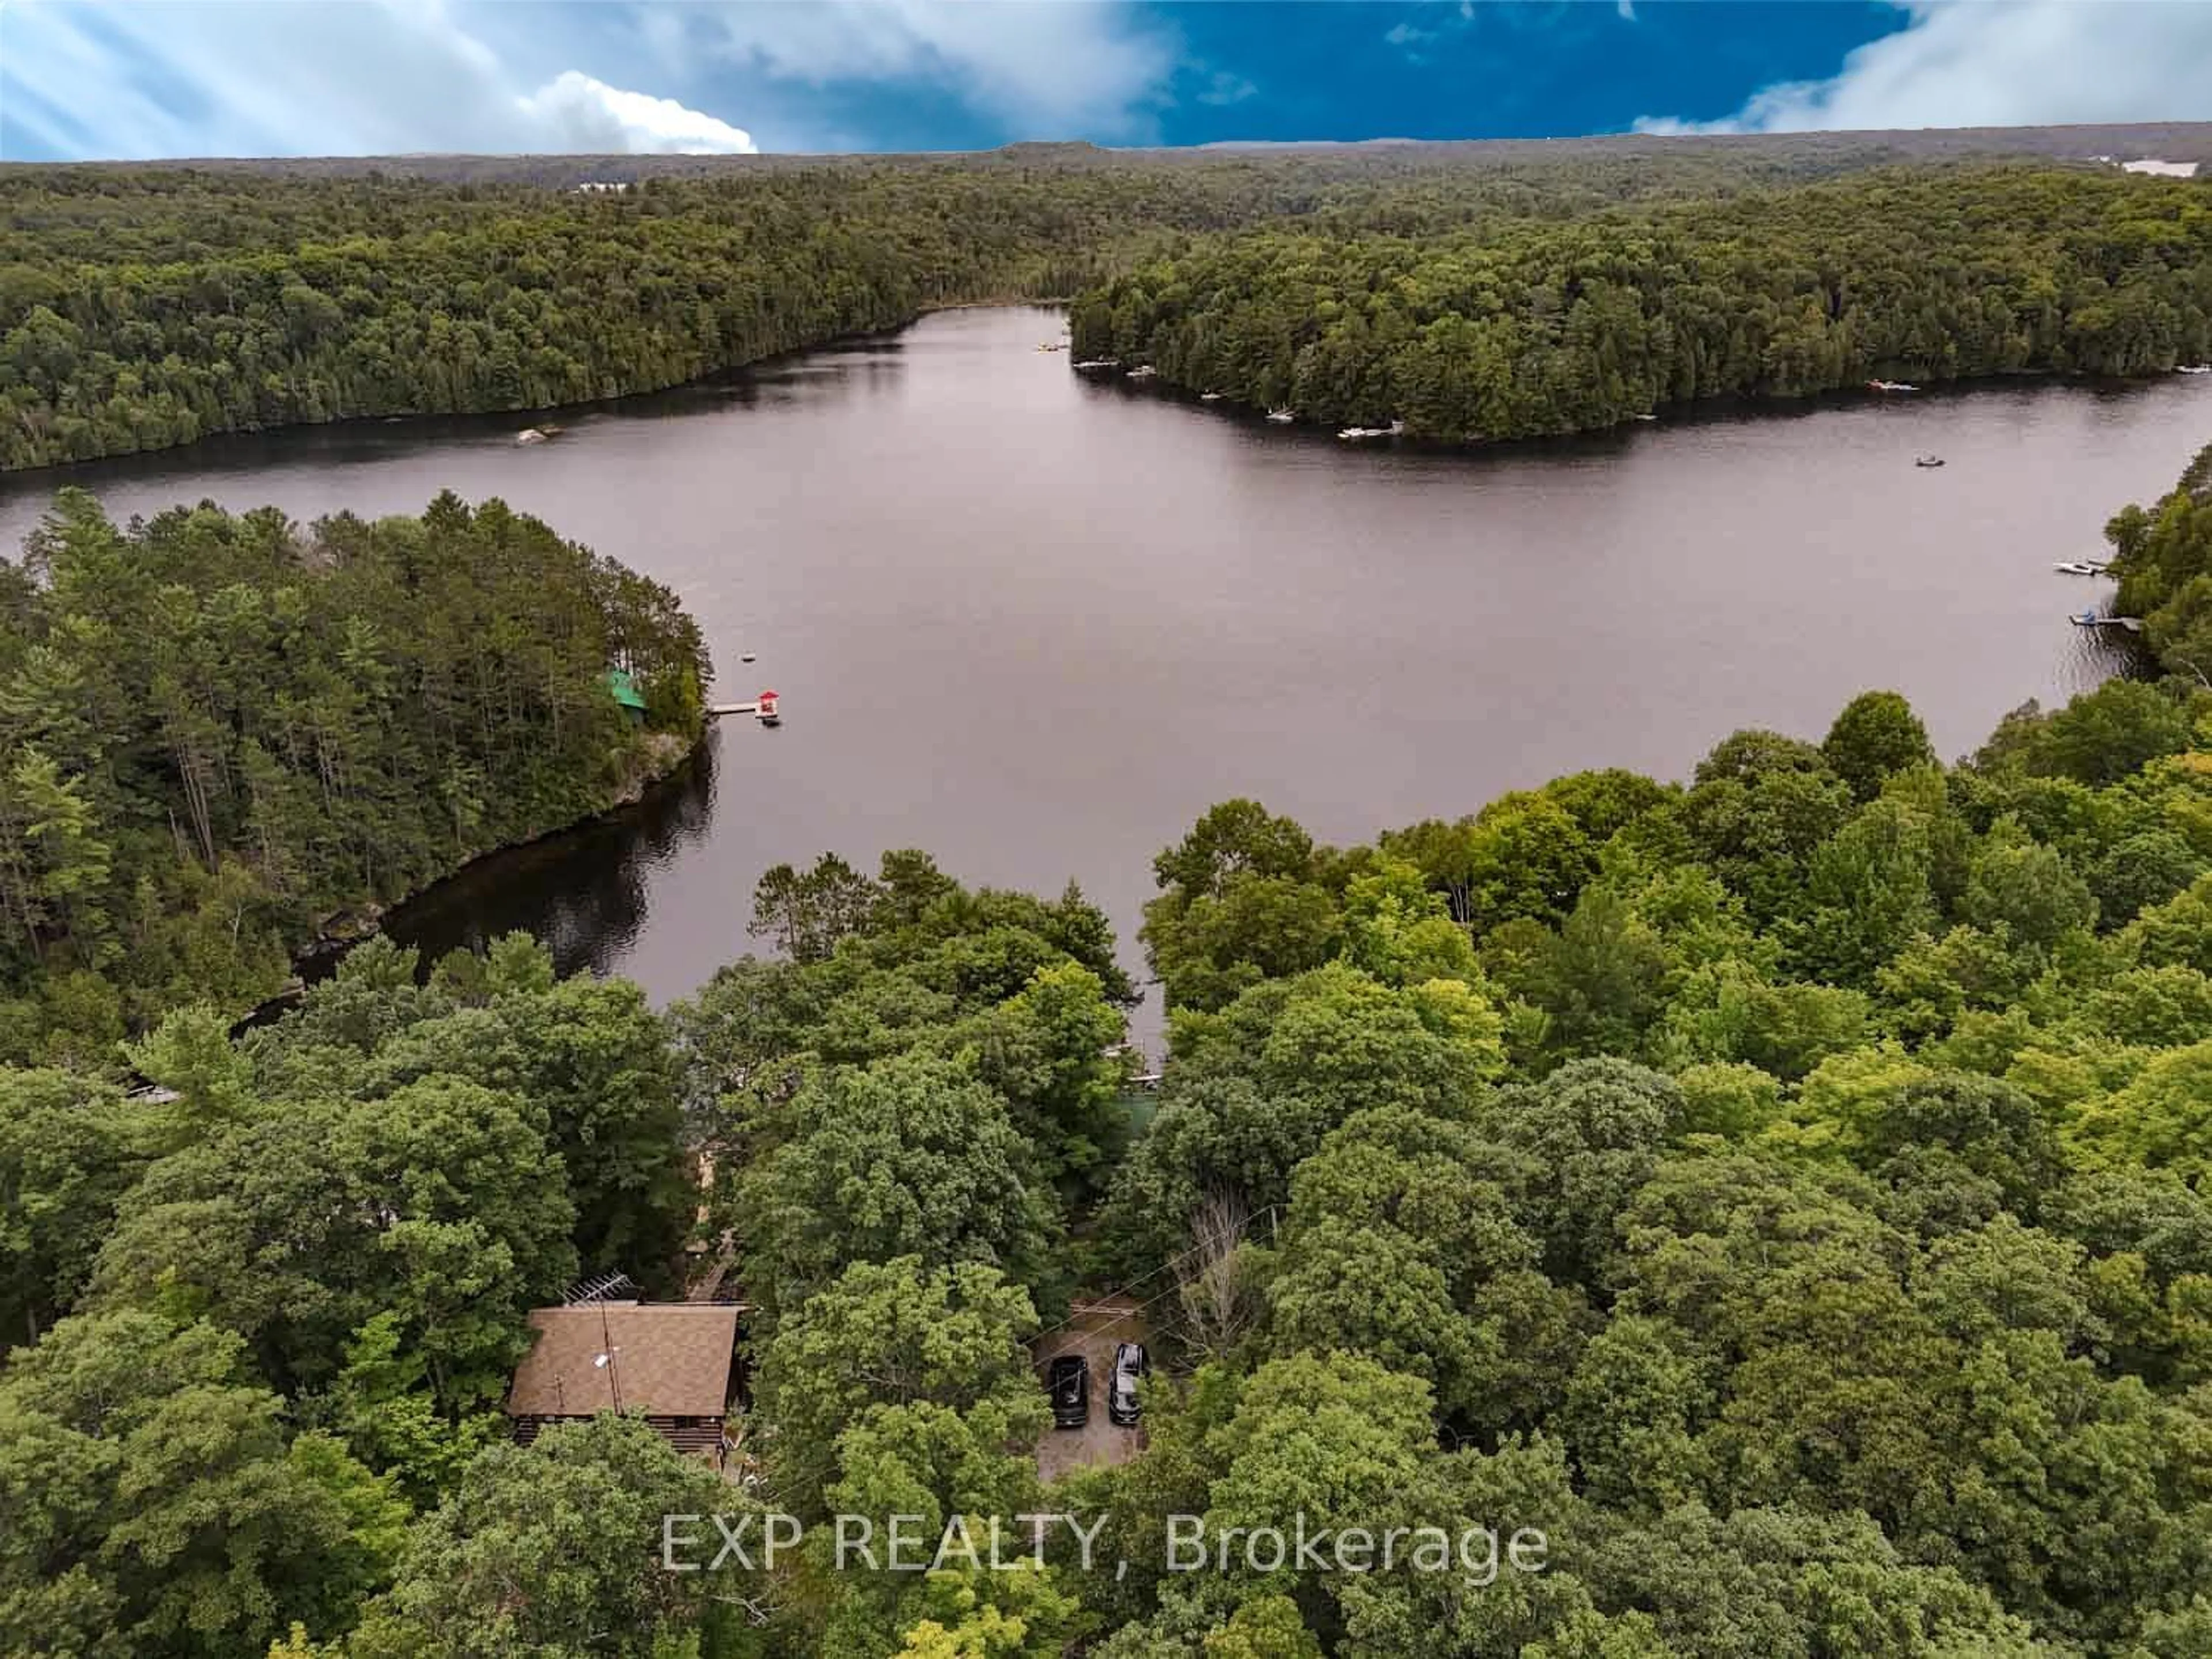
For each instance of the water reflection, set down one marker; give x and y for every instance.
(586, 893)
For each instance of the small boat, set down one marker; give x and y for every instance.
(1890, 386)
(1928, 460)
(2078, 568)
(2194, 368)
(2085, 619)
(1143, 372)
(1646, 416)
(530, 434)
(1100, 362)
(1282, 417)
(1209, 396)
(748, 657)
(1356, 433)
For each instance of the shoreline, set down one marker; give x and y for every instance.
(322, 957)
(532, 417)
(1720, 405)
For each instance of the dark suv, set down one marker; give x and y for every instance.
(1069, 1380)
(1130, 1363)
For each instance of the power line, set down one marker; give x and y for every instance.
(1207, 1243)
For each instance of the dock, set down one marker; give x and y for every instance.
(767, 708)
(2087, 619)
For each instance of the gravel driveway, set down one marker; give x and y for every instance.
(1094, 1328)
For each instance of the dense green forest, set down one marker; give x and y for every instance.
(145, 307)
(2163, 558)
(1785, 1190)
(140, 310)
(225, 733)
(1505, 330)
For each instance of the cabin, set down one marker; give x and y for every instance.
(623, 690)
(672, 1363)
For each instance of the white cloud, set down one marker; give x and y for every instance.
(1043, 71)
(2001, 62)
(590, 115)
(108, 78)
(138, 78)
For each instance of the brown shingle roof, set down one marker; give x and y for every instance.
(671, 1360)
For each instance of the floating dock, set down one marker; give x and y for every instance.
(767, 708)
(2087, 619)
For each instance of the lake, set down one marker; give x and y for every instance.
(1036, 623)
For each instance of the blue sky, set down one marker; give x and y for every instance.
(139, 78)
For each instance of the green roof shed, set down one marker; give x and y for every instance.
(625, 692)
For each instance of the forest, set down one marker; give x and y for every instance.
(145, 307)
(1786, 1189)
(2163, 557)
(227, 734)
(1508, 328)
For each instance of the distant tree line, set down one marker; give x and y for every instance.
(1513, 329)
(1469, 289)
(221, 730)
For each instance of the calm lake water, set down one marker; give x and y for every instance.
(1038, 624)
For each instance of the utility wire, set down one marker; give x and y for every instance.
(1205, 1243)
